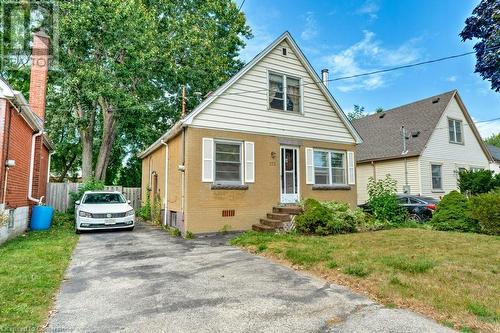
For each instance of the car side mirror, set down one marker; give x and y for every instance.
(77, 202)
(128, 201)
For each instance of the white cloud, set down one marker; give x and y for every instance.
(486, 129)
(311, 27)
(368, 55)
(452, 78)
(369, 8)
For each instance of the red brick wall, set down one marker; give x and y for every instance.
(4, 109)
(19, 150)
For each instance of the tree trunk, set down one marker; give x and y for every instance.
(66, 168)
(87, 138)
(109, 129)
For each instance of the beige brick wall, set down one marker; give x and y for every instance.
(204, 206)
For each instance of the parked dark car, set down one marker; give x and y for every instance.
(419, 208)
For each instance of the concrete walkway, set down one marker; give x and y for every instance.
(147, 281)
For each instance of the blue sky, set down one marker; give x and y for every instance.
(350, 37)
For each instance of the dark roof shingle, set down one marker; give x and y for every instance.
(494, 151)
(382, 138)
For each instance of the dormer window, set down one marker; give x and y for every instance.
(281, 85)
(455, 131)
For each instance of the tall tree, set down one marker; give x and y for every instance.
(493, 140)
(484, 24)
(123, 63)
(356, 113)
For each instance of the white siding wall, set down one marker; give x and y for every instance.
(249, 112)
(395, 168)
(451, 156)
(495, 167)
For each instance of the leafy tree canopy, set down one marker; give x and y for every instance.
(494, 140)
(484, 24)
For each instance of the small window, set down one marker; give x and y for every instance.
(455, 131)
(329, 167)
(281, 86)
(228, 162)
(436, 177)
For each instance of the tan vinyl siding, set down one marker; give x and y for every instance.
(451, 156)
(204, 206)
(249, 112)
(394, 168)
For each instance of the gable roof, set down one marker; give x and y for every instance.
(220, 91)
(494, 151)
(381, 132)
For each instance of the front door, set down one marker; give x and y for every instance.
(289, 175)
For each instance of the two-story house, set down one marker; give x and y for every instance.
(270, 136)
(423, 145)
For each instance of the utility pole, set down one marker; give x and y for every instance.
(183, 101)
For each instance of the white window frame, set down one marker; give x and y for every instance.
(232, 182)
(440, 175)
(455, 122)
(284, 77)
(330, 174)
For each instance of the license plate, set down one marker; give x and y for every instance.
(109, 221)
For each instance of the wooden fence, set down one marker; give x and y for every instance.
(58, 194)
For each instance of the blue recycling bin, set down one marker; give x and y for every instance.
(41, 217)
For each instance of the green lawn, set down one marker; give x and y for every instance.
(452, 277)
(31, 270)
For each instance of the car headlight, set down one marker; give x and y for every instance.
(84, 214)
(130, 213)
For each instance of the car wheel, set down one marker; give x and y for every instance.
(415, 218)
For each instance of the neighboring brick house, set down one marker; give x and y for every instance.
(24, 146)
(270, 136)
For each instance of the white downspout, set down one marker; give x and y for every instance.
(165, 210)
(32, 166)
(48, 166)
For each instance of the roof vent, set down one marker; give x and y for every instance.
(382, 115)
(415, 134)
(284, 51)
(435, 100)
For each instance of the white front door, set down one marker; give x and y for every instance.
(289, 174)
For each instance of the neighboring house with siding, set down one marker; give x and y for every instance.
(495, 154)
(24, 146)
(271, 135)
(441, 139)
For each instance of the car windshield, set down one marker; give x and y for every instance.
(103, 198)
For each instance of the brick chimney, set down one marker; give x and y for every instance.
(39, 73)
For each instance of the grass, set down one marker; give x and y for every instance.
(31, 269)
(450, 276)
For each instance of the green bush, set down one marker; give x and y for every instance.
(452, 214)
(485, 208)
(145, 211)
(88, 185)
(383, 202)
(330, 217)
(477, 182)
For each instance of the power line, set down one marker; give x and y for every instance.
(242, 3)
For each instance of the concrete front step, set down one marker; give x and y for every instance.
(262, 228)
(292, 210)
(272, 223)
(279, 216)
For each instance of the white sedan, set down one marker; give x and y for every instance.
(99, 210)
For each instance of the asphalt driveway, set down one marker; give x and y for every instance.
(147, 281)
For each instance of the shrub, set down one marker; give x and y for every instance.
(145, 211)
(383, 202)
(89, 185)
(330, 217)
(485, 208)
(156, 210)
(477, 182)
(452, 214)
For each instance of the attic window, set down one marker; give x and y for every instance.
(435, 100)
(284, 51)
(285, 93)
